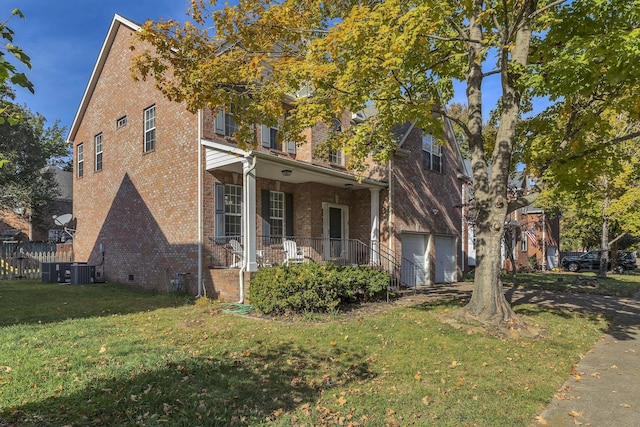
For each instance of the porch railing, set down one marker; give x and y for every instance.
(226, 252)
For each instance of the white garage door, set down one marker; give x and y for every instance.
(414, 250)
(446, 265)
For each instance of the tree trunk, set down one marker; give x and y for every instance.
(488, 303)
(604, 242)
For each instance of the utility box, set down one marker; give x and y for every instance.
(56, 272)
(82, 274)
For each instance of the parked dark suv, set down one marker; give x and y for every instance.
(591, 261)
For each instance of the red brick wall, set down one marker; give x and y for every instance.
(142, 206)
(418, 191)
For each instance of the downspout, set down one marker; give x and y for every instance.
(465, 236)
(246, 170)
(390, 219)
(200, 225)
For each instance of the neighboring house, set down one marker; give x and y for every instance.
(534, 235)
(19, 225)
(162, 194)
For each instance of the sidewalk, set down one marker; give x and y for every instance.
(606, 390)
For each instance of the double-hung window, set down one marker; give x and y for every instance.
(431, 153)
(276, 211)
(98, 148)
(336, 156)
(150, 129)
(277, 215)
(270, 137)
(80, 160)
(524, 242)
(270, 140)
(225, 123)
(232, 210)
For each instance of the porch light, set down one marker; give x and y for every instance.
(286, 172)
(348, 186)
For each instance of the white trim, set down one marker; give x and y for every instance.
(97, 70)
(224, 147)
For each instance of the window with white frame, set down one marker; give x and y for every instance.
(80, 160)
(270, 137)
(98, 149)
(232, 210)
(524, 242)
(431, 153)
(336, 157)
(276, 213)
(150, 129)
(121, 122)
(225, 123)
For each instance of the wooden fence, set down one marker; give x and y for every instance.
(25, 260)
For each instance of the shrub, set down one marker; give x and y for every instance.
(312, 287)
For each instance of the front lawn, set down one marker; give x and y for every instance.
(619, 285)
(79, 360)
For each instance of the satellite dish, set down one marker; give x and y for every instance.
(62, 220)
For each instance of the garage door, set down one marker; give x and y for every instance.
(446, 263)
(414, 259)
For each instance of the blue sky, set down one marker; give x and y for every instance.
(63, 39)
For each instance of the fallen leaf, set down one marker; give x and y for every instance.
(417, 377)
(103, 349)
(614, 367)
(454, 364)
(541, 420)
(575, 414)
(596, 374)
(333, 343)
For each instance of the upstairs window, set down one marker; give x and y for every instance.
(150, 129)
(98, 148)
(80, 160)
(270, 140)
(225, 123)
(121, 122)
(336, 157)
(431, 153)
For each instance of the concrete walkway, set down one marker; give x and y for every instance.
(606, 388)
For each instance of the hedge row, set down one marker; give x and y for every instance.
(312, 287)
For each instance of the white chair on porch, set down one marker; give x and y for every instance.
(237, 252)
(292, 255)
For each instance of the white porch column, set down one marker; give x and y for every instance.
(249, 215)
(375, 226)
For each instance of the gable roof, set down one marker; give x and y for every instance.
(402, 132)
(97, 70)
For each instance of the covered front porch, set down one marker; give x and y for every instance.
(267, 210)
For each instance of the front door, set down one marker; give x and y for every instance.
(335, 230)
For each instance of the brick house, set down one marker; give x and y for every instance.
(534, 235)
(161, 194)
(17, 226)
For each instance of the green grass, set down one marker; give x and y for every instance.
(103, 355)
(620, 285)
